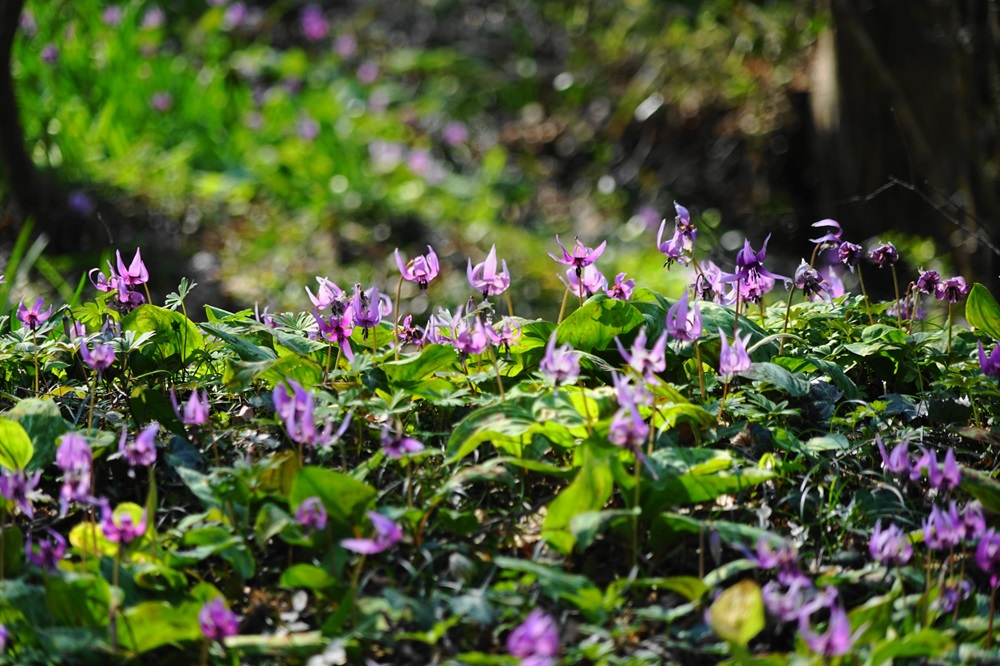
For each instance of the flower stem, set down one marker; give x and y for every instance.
(395, 328)
(510, 303)
(34, 355)
(788, 310)
(496, 366)
(899, 304)
(864, 292)
(93, 396)
(562, 308)
(701, 371)
(949, 328)
(637, 474)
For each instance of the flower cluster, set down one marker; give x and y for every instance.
(123, 280)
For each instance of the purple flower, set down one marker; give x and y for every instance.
(75, 459)
(408, 333)
(928, 281)
(369, 307)
(33, 317)
(397, 445)
(787, 601)
(455, 133)
(920, 464)
(48, 553)
(345, 45)
(99, 357)
(367, 72)
(329, 296)
(835, 286)
(849, 254)
(420, 270)
(783, 559)
(306, 127)
(337, 329)
(680, 247)
(628, 430)
(890, 546)
(121, 529)
(590, 278)
(19, 487)
(153, 18)
(974, 520)
(809, 281)
(946, 477)
(235, 15)
(709, 285)
(897, 462)
(581, 256)
(135, 273)
(314, 25)
(162, 101)
(733, 358)
(50, 54)
(140, 452)
(468, 334)
(830, 237)
(112, 16)
(4, 638)
(952, 290)
(646, 362)
(750, 265)
(218, 622)
(311, 514)
(622, 289)
(988, 555)
(508, 334)
(536, 637)
(884, 255)
(990, 364)
(560, 365)
(195, 409)
(836, 640)
(387, 535)
(80, 203)
(683, 324)
(485, 278)
(943, 529)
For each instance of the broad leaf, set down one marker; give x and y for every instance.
(44, 424)
(982, 311)
(343, 496)
(16, 449)
(737, 615)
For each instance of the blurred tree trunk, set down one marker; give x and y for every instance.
(908, 89)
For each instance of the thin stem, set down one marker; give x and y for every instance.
(637, 474)
(788, 310)
(739, 300)
(812, 259)
(993, 606)
(496, 366)
(329, 357)
(722, 402)
(586, 411)
(864, 292)
(93, 396)
(701, 371)
(579, 282)
(395, 328)
(949, 328)
(34, 355)
(562, 308)
(510, 303)
(899, 304)
(149, 299)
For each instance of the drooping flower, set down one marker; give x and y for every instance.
(397, 445)
(622, 288)
(890, 546)
(709, 285)
(337, 328)
(537, 638)
(560, 365)
(947, 476)
(420, 270)
(782, 559)
(135, 273)
(195, 410)
(34, 316)
(75, 459)
(897, 462)
(733, 358)
(408, 333)
(140, 452)
(680, 246)
(952, 290)
(849, 254)
(508, 334)
(831, 237)
(943, 528)
(990, 364)
(49, 552)
(647, 362)
(786, 601)
(99, 357)
(884, 255)
(218, 622)
(468, 334)
(328, 295)
(485, 278)
(682, 323)
(311, 514)
(581, 257)
(121, 529)
(369, 307)
(590, 278)
(988, 555)
(928, 281)
(19, 487)
(837, 640)
(974, 520)
(750, 265)
(387, 535)
(809, 281)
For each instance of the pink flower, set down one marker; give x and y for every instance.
(485, 278)
(218, 622)
(387, 535)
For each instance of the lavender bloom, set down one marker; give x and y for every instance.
(680, 247)
(750, 265)
(920, 464)
(19, 487)
(296, 410)
(590, 278)
(581, 256)
(629, 393)
(120, 529)
(897, 462)
(890, 546)
(628, 430)
(809, 281)
(990, 364)
(928, 281)
(76, 331)
(306, 127)
(952, 290)
(884, 255)
(153, 18)
(135, 273)
(562, 365)
(337, 329)
(988, 555)
(734, 358)
(367, 72)
(4, 638)
(112, 16)
(50, 54)
(195, 409)
(646, 362)
(140, 452)
(622, 289)
(836, 640)
(682, 324)
(787, 601)
(420, 270)
(468, 335)
(535, 639)
(80, 203)
(397, 445)
(369, 308)
(408, 333)
(946, 477)
(314, 25)
(329, 296)
(485, 278)
(943, 529)
(387, 535)
(33, 317)
(311, 514)
(455, 133)
(849, 254)
(218, 622)
(508, 334)
(974, 520)
(162, 101)
(49, 552)
(235, 15)
(831, 237)
(75, 459)
(98, 358)
(835, 286)
(709, 284)
(783, 559)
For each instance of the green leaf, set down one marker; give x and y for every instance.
(595, 325)
(152, 624)
(308, 576)
(16, 449)
(431, 359)
(922, 643)
(574, 588)
(584, 527)
(689, 587)
(589, 491)
(173, 333)
(77, 600)
(240, 344)
(343, 496)
(43, 424)
(737, 615)
(982, 311)
(983, 488)
(777, 376)
(693, 476)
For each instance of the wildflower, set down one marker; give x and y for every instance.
(80, 203)
(809, 281)
(408, 333)
(468, 335)
(946, 477)
(928, 281)
(831, 237)
(75, 459)
(99, 357)
(485, 278)
(4, 638)
(884, 255)
(920, 464)
(508, 334)
(369, 307)
(48, 553)
(140, 452)
(136, 272)
(750, 265)
(455, 133)
(162, 101)
(990, 364)
(897, 462)
(837, 640)
(646, 362)
(783, 559)
(562, 365)
(120, 529)
(50, 54)
(314, 25)
(943, 529)
(306, 127)
(680, 247)
(367, 72)
(337, 328)
(733, 358)
(329, 296)
(235, 15)
(396, 445)
(195, 409)
(835, 286)
(420, 270)
(112, 16)
(296, 410)
(19, 487)
(536, 640)
(218, 622)
(890, 546)
(682, 324)
(952, 290)
(974, 520)
(622, 289)
(988, 555)
(387, 535)
(311, 514)
(587, 281)
(709, 284)
(153, 18)
(581, 257)
(787, 601)
(849, 254)
(33, 317)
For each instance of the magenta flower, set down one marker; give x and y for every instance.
(682, 323)
(120, 529)
(897, 462)
(135, 273)
(786, 601)
(536, 639)
(314, 25)
(733, 358)
(622, 289)
(837, 640)
(50, 54)
(455, 133)
(311, 514)
(928, 281)
(75, 459)
(974, 520)
(195, 409)
(409, 334)
(587, 281)
(890, 546)
(99, 357)
(581, 257)
(508, 334)
(140, 452)
(952, 290)
(830, 237)
(750, 265)
(337, 328)
(560, 365)
(397, 445)
(988, 555)
(884, 255)
(849, 254)
(420, 270)
(296, 410)
(947, 476)
(646, 362)
(329, 296)
(387, 535)
(680, 247)
(49, 552)
(468, 334)
(943, 529)
(990, 364)
(809, 280)
(19, 487)
(34, 316)
(218, 622)
(369, 308)
(485, 278)
(709, 285)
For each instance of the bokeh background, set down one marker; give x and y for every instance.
(251, 146)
